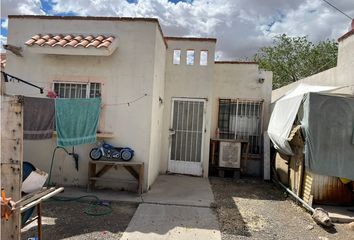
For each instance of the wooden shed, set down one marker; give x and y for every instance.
(311, 187)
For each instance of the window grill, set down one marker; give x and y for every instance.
(242, 120)
(77, 90)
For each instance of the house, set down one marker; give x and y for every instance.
(160, 95)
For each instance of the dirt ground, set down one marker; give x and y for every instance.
(250, 209)
(66, 220)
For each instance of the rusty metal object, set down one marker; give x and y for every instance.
(330, 190)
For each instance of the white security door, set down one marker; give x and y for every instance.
(187, 136)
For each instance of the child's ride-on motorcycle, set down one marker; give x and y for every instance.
(108, 151)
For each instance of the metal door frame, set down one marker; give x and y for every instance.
(174, 163)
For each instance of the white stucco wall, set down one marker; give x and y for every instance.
(157, 108)
(240, 80)
(191, 81)
(342, 75)
(130, 72)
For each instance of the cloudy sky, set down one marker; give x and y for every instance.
(241, 26)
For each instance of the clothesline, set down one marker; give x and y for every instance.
(127, 103)
(113, 104)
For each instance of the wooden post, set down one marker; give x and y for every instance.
(2, 84)
(11, 160)
(39, 220)
(141, 178)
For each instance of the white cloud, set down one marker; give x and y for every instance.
(3, 41)
(241, 26)
(315, 20)
(9, 7)
(5, 23)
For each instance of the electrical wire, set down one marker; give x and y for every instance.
(330, 4)
(127, 103)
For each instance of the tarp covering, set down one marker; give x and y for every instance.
(328, 126)
(284, 114)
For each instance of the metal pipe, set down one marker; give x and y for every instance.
(308, 207)
(20, 80)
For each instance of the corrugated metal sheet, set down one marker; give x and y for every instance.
(330, 190)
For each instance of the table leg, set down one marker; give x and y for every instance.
(39, 220)
(91, 173)
(213, 143)
(141, 178)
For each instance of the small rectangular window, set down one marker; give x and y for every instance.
(95, 90)
(190, 57)
(176, 56)
(203, 58)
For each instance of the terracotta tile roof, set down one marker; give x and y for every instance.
(2, 60)
(70, 40)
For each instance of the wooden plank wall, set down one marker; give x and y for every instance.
(282, 168)
(290, 169)
(11, 159)
(297, 163)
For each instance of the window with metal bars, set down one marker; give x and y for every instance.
(241, 119)
(77, 90)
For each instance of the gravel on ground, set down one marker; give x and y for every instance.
(254, 209)
(67, 220)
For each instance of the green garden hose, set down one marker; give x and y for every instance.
(94, 205)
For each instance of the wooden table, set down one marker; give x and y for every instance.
(94, 176)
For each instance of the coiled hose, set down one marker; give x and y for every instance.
(94, 205)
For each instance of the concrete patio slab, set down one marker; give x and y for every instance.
(107, 195)
(160, 222)
(180, 190)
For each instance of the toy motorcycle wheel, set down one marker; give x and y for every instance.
(126, 155)
(95, 154)
(116, 154)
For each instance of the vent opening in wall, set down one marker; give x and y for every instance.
(203, 58)
(177, 56)
(190, 57)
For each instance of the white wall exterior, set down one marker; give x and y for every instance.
(241, 81)
(190, 81)
(342, 75)
(157, 108)
(140, 65)
(128, 73)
